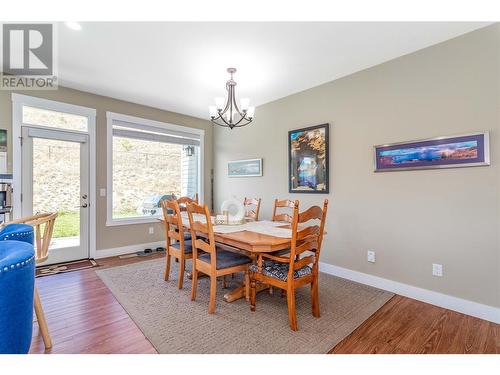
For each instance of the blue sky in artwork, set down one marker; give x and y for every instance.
(435, 148)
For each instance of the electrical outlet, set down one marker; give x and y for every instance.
(151, 230)
(102, 192)
(437, 269)
(370, 255)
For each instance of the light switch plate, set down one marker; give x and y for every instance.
(437, 269)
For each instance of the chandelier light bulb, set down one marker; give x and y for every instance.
(219, 102)
(212, 110)
(245, 103)
(251, 111)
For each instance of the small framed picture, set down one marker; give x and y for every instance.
(308, 160)
(467, 150)
(245, 168)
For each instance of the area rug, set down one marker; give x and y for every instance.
(175, 324)
(54, 269)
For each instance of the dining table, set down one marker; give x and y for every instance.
(250, 239)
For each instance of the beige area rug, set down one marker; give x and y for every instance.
(175, 324)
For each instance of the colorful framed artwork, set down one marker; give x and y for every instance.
(308, 160)
(245, 168)
(465, 150)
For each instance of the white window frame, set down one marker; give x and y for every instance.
(150, 124)
(18, 101)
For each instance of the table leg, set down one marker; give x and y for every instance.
(239, 292)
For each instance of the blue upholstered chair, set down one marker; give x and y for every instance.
(17, 232)
(36, 229)
(17, 280)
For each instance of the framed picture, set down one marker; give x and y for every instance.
(308, 160)
(245, 168)
(465, 150)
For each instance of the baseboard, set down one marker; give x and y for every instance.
(105, 253)
(463, 306)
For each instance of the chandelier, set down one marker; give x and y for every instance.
(226, 112)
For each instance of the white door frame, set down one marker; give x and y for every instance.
(18, 101)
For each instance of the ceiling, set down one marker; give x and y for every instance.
(181, 67)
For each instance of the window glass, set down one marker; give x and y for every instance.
(145, 171)
(54, 119)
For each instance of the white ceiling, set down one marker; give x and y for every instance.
(181, 67)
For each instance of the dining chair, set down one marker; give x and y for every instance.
(43, 226)
(299, 267)
(252, 208)
(213, 261)
(177, 245)
(282, 204)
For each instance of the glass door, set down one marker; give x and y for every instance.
(55, 179)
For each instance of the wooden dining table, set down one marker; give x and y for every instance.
(247, 243)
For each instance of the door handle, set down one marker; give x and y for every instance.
(85, 205)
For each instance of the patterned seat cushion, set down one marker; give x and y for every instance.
(188, 246)
(225, 259)
(280, 270)
(187, 235)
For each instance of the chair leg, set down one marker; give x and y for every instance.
(224, 285)
(42, 323)
(252, 294)
(213, 291)
(182, 265)
(271, 291)
(292, 315)
(283, 293)
(194, 282)
(315, 297)
(247, 285)
(167, 267)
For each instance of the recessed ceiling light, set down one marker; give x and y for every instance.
(73, 25)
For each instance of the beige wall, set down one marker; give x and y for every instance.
(116, 236)
(410, 218)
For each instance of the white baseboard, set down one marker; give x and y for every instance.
(105, 253)
(463, 306)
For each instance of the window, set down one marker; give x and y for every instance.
(54, 119)
(148, 161)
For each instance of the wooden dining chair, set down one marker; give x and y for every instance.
(43, 227)
(299, 267)
(209, 259)
(252, 208)
(177, 245)
(282, 204)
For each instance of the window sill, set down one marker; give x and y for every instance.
(133, 220)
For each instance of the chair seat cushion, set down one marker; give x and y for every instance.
(279, 270)
(225, 259)
(17, 232)
(187, 235)
(188, 246)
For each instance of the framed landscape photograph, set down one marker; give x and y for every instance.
(443, 152)
(308, 160)
(245, 168)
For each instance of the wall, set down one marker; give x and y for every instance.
(410, 218)
(125, 235)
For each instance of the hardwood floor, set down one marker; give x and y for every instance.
(84, 317)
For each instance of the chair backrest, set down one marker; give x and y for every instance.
(284, 203)
(252, 208)
(306, 238)
(174, 230)
(200, 224)
(184, 201)
(43, 226)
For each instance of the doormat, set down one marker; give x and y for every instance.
(54, 269)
